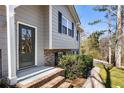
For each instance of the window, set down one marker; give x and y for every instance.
(58, 55)
(64, 25)
(69, 28)
(59, 22)
(77, 37)
(77, 52)
(72, 29)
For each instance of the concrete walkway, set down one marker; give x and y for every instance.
(96, 61)
(94, 81)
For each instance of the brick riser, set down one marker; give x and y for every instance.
(58, 84)
(54, 83)
(65, 85)
(44, 81)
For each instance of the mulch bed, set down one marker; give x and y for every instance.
(77, 83)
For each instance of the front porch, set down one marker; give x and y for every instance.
(29, 41)
(42, 77)
(34, 22)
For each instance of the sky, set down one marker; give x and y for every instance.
(87, 14)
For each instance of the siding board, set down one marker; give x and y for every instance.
(3, 43)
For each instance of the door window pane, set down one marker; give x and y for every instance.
(26, 41)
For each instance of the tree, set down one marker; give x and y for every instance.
(110, 15)
(118, 37)
(90, 45)
(104, 48)
(114, 20)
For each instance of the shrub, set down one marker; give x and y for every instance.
(76, 65)
(68, 62)
(3, 84)
(85, 64)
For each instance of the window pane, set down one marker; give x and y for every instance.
(69, 28)
(64, 29)
(69, 25)
(77, 36)
(64, 25)
(69, 32)
(64, 22)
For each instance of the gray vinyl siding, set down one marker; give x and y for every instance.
(59, 40)
(3, 40)
(46, 27)
(36, 16)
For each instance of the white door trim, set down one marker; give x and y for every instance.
(19, 22)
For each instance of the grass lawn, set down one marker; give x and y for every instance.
(116, 76)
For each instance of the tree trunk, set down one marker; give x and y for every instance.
(118, 37)
(109, 32)
(110, 54)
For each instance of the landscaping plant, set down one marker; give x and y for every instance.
(76, 65)
(85, 64)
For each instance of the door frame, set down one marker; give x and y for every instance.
(19, 22)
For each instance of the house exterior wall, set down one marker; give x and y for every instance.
(35, 16)
(38, 16)
(59, 40)
(3, 40)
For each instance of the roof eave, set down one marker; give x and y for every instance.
(74, 13)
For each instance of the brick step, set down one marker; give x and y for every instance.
(65, 85)
(54, 82)
(41, 79)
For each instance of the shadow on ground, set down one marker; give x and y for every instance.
(107, 82)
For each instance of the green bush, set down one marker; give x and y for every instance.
(85, 64)
(76, 65)
(3, 84)
(68, 62)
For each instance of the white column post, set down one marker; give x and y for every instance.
(11, 44)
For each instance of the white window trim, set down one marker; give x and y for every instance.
(19, 22)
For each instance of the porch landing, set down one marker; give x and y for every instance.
(32, 71)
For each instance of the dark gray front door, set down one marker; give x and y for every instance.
(0, 64)
(26, 46)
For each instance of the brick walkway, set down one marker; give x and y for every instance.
(94, 81)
